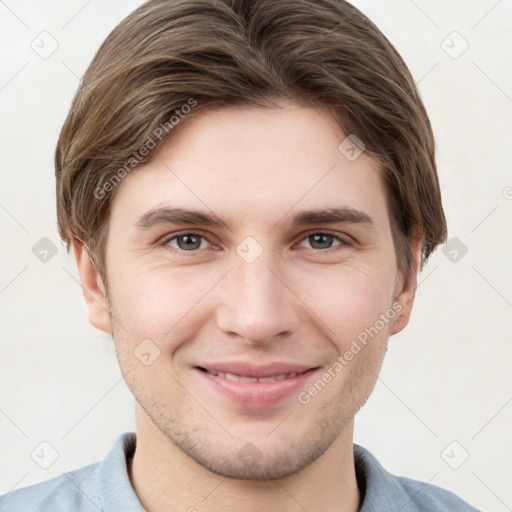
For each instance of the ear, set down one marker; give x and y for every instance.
(93, 289)
(405, 298)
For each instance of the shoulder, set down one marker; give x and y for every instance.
(384, 491)
(75, 490)
(427, 497)
(103, 485)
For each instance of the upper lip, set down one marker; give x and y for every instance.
(246, 369)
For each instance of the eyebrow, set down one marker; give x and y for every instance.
(167, 215)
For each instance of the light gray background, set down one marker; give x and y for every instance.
(446, 378)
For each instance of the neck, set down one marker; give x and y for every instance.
(166, 479)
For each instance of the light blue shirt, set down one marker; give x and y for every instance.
(105, 487)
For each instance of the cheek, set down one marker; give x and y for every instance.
(348, 299)
(159, 303)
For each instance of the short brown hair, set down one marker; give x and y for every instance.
(245, 52)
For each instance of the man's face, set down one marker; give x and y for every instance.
(264, 297)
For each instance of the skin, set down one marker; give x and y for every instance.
(300, 301)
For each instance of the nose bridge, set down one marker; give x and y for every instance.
(255, 281)
(257, 305)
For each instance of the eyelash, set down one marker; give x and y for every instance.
(165, 241)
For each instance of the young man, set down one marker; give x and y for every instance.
(250, 190)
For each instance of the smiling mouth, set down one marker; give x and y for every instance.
(254, 386)
(244, 378)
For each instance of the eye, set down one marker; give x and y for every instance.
(324, 240)
(191, 242)
(187, 242)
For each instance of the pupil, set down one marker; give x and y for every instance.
(319, 237)
(187, 239)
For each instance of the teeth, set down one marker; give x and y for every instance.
(267, 379)
(245, 379)
(241, 378)
(232, 376)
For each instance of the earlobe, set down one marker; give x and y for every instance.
(92, 287)
(405, 298)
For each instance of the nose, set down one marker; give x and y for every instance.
(256, 303)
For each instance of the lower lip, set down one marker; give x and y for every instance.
(256, 393)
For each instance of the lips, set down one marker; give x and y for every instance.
(250, 385)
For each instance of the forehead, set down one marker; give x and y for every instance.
(256, 165)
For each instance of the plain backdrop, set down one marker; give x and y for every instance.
(441, 411)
